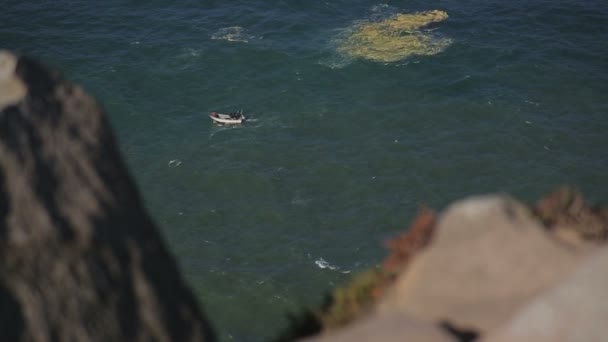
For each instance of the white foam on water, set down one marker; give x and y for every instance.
(336, 61)
(174, 163)
(190, 52)
(536, 104)
(299, 200)
(223, 128)
(323, 264)
(233, 34)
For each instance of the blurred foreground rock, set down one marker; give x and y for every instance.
(574, 310)
(494, 269)
(80, 259)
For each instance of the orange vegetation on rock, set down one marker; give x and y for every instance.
(404, 246)
(402, 249)
(361, 293)
(566, 209)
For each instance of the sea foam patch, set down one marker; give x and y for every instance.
(233, 34)
(323, 264)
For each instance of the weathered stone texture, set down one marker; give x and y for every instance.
(80, 259)
(497, 270)
(392, 327)
(574, 310)
(489, 256)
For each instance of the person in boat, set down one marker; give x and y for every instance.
(235, 115)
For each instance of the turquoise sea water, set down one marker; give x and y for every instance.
(339, 152)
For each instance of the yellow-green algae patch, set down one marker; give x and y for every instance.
(395, 38)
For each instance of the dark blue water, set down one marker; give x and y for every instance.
(339, 152)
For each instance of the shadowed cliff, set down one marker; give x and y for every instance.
(80, 259)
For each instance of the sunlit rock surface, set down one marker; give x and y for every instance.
(488, 257)
(395, 38)
(574, 310)
(487, 268)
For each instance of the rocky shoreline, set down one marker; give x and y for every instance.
(485, 268)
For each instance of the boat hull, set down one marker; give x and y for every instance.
(226, 119)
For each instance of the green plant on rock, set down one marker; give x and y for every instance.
(352, 300)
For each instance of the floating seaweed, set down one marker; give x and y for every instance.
(395, 38)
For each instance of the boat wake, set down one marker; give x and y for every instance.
(222, 128)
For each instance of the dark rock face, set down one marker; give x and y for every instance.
(80, 260)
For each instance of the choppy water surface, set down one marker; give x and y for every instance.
(340, 150)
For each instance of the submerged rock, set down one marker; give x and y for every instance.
(80, 259)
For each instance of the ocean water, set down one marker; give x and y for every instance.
(340, 152)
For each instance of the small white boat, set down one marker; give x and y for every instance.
(233, 118)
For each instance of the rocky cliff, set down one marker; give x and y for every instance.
(486, 268)
(80, 259)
